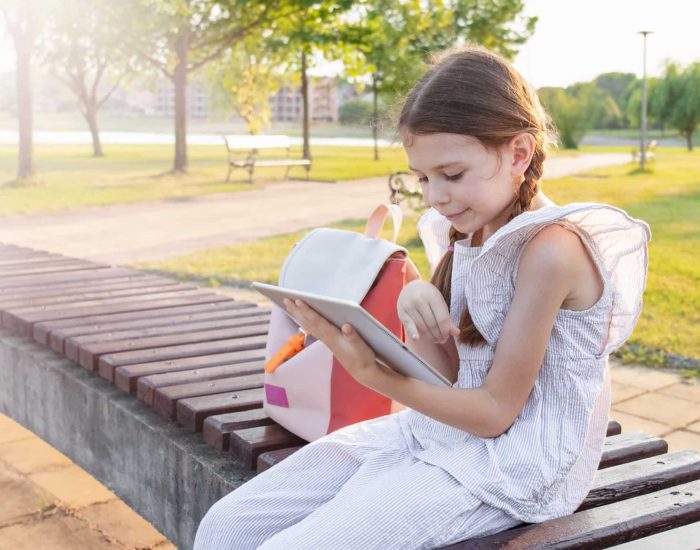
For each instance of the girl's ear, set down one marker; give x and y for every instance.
(521, 149)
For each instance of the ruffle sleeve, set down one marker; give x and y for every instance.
(434, 231)
(617, 243)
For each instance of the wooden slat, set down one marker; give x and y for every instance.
(603, 526)
(248, 444)
(138, 288)
(44, 330)
(147, 385)
(680, 538)
(217, 428)
(619, 449)
(29, 259)
(61, 266)
(75, 337)
(166, 399)
(642, 476)
(614, 428)
(86, 274)
(191, 412)
(21, 322)
(87, 353)
(65, 287)
(270, 458)
(108, 363)
(128, 377)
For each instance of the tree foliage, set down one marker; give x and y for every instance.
(573, 110)
(676, 99)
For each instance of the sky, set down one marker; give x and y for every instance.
(576, 40)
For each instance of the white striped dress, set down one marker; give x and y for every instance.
(409, 481)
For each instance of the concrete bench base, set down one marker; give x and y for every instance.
(167, 475)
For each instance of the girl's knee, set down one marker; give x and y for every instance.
(223, 528)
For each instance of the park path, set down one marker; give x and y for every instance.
(129, 233)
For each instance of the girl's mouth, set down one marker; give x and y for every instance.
(457, 215)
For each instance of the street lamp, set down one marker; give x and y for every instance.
(643, 134)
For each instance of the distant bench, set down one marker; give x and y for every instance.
(194, 358)
(650, 152)
(243, 152)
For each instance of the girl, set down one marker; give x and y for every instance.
(526, 302)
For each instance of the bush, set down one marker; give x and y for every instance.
(355, 111)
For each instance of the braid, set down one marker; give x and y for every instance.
(531, 183)
(442, 278)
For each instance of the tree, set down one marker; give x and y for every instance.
(22, 20)
(178, 37)
(573, 110)
(245, 78)
(619, 87)
(677, 100)
(394, 39)
(82, 51)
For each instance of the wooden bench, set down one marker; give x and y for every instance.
(405, 186)
(243, 152)
(194, 357)
(650, 152)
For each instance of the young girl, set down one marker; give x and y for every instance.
(526, 302)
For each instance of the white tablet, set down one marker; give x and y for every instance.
(390, 351)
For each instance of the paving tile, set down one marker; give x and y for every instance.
(695, 427)
(57, 532)
(631, 423)
(621, 392)
(73, 486)
(12, 431)
(689, 390)
(673, 411)
(32, 455)
(641, 377)
(120, 522)
(20, 497)
(165, 545)
(683, 439)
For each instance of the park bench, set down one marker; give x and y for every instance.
(244, 152)
(155, 387)
(650, 152)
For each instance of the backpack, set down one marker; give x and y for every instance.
(310, 393)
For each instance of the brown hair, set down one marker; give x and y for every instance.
(473, 91)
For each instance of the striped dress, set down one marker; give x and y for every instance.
(409, 481)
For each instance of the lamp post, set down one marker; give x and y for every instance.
(643, 133)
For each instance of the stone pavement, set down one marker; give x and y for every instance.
(122, 234)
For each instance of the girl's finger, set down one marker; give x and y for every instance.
(430, 322)
(443, 320)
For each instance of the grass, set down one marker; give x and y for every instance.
(70, 178)
(667, 197)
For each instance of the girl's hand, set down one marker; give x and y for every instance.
(423, 311)
(346, 344)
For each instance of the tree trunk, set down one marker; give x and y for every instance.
(23, 47)
(180, 82)
(91, 118)
(375, 116)
(689, 139)
(305, 103)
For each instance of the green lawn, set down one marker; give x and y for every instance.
(70, 178)
(668, 199)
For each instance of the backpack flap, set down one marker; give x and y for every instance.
(336, 263)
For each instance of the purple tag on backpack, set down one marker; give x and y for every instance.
(276, 395)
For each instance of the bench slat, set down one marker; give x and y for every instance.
(127, 377)
(248, 444)
(622, 448)
(192, 411)
(108, 363)
(86, 274)
(147, 385)
(60, 289)
(165, 399)
(614, 428)
(269, 459)
(217, 428)
(241, 327)
(642, 476)
(61, 266)
(44, 330)
(603, 526)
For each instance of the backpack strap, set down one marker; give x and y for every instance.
(376, 220)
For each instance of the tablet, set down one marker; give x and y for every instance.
(390, 351)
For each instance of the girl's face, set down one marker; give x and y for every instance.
(466, 182)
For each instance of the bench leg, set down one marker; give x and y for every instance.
(286, 173)
(228, 174)
(251, 169)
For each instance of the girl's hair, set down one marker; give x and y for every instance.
(475, 92)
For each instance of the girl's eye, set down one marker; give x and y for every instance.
(456, 177)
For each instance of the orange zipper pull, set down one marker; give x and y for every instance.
(293, 346)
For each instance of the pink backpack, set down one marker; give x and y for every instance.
(311, 394)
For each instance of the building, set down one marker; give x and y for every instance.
(287, 104)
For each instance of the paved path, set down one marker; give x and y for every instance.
(123, 234)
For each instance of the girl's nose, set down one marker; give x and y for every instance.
(438, 194)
